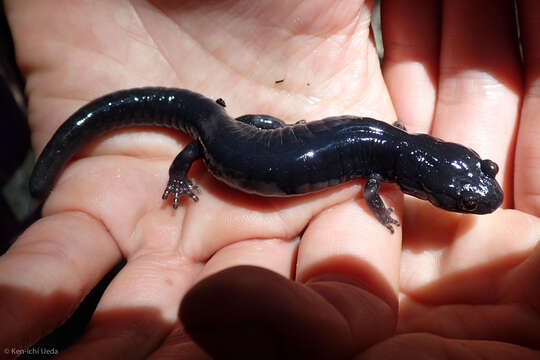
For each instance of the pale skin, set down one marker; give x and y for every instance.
(466, 286)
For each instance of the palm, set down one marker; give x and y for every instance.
(112, 194)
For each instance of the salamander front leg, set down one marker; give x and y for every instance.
(178, 183)
(375, 203)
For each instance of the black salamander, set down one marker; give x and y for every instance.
(262, 155)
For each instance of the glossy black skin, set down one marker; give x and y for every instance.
(261, 154)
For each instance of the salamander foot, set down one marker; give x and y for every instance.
(375, 203)
(179, 187)
(387, 220)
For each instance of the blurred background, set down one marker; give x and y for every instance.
(16, 158)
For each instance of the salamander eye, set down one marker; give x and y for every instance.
(489, 168)
(468, 205)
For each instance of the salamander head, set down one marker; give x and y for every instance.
(454, 178)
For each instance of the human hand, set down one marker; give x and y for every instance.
(468, 284)
(169, 251)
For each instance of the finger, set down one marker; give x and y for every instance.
(249, 312)
(276, 251)
(179, 345)
(527, 172)
(411, 36)
(340, 291)
(426, 346)
(480, 275)
(347, 240)
(273, 254)
(48, 272)
(226, 216)
(480, 81)
(528, 296)
(140, 306)
(479, 247)
(514, 323)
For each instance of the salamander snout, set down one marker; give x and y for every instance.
(449, 175)
(478, 191)
(459, 181)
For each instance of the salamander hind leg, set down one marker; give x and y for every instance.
(376, 205)
(262, 121)
(179, 184)
(399, 125)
